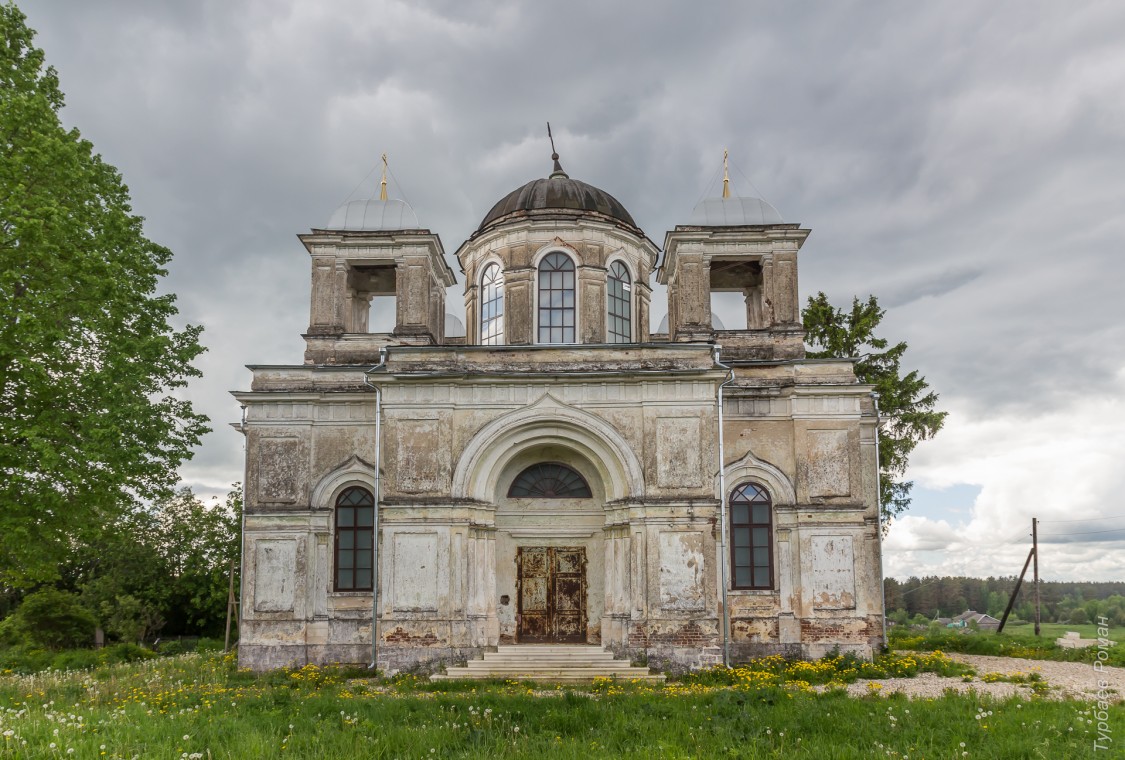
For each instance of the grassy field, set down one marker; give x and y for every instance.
(195, 707)
(1052, 631)
(1020, 642)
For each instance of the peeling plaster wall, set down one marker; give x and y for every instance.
(637, 421)
(654, 558)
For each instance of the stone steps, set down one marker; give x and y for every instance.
(554, 663)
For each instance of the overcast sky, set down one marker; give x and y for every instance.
(963, 161)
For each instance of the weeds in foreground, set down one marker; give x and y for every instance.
(193, 706)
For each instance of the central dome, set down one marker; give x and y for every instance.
(557, 193)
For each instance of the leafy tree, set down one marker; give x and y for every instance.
(198, 542)
(49, 619)
(164, 569)
(88, 426)
(906, 405)
(122, 577)
(131, 619)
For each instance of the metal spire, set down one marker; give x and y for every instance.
(558, 170)
(383, 184)
(726, 176)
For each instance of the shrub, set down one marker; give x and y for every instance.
(24, 659)
(125, 652)
(49, 619)
(205, 645)
(76, 659)
(172, 648)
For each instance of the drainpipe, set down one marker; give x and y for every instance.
(375, 522)
(724, 553)
(879, 519)
(242, 519)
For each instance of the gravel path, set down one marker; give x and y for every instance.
(1066, 679)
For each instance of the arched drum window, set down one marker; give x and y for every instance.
(355, 514)
(556, 299)
(492, 307)
(751, 543)
(619, 327)
(549, 480)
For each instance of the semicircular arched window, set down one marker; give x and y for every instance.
(549, 480)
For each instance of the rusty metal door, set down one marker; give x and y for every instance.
(551, 594)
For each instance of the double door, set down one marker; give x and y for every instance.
(551, 590)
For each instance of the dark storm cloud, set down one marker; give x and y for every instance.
(961, 161)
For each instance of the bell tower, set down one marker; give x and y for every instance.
(370, 255)
(741, 245)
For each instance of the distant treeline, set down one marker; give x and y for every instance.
(1060, 601)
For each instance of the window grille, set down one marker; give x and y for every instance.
(619, 328)
(751, 542)
(556, 299)
(549, 480)
(492, 307)
(355, 514)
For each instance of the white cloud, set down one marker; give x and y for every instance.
(962, 162)
(1063, 466)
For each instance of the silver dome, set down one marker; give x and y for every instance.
(716, 323)
(454, 327)
(733, 212)
(374, 215)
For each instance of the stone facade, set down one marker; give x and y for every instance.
(636, 423)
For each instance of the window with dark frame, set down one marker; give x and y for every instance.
(751, 523)
(492, 306)
(556, 299)
(549, 480)
(619, 322)
(355, 516)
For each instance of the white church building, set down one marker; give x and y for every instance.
(559, 473)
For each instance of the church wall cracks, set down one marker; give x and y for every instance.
(637, 422)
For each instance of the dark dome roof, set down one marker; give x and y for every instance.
(560, 193)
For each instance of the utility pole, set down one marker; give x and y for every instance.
(1015, 592)
(1035, 567)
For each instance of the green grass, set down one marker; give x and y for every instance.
(199, 706)
(1022, 644)
(1052, 631)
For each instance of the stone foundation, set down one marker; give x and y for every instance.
(392, 659)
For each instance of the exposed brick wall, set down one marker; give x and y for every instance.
(401, 636)
(690, 634)
(841, 630)
(762, 630)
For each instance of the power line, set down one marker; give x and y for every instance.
(1087, 519)
(1086, 533)
(918, 588)
(1017, 537)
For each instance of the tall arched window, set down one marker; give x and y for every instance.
(556, 299)
(355, 515)
(619, 321)
(751, 543)
(492, 306)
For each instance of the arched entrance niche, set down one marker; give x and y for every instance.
(545, 546)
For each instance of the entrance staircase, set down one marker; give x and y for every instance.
(552, 663)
